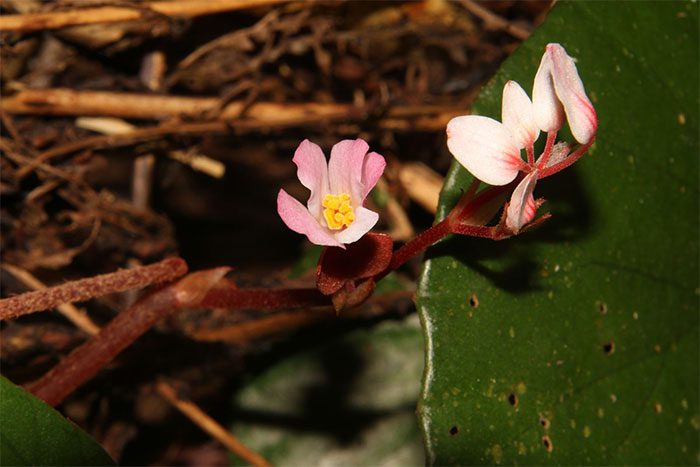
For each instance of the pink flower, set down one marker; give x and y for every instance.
(491, 150)
(558, 89)
(334, 214)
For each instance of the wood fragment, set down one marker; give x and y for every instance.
(115, 14)
(208, 424)
(200, 163)
(422, 184)
(142, 181)
(62, 101)
(493, 21)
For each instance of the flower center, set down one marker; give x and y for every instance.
(338, 212)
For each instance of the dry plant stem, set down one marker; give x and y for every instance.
(114, 14)
(62, 101)
(209, 425)
(85, 361)
(85, 289)
(106, 141)
(77, 317)
(493, 21)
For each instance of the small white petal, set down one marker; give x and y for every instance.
(517, 116)
(364, 221)
(580, 113)
(546, 108)
(522, 208)
(485, 148)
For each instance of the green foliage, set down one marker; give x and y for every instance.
(578, 343)
(32, 433)
(350, 401)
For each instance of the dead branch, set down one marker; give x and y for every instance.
(91, 287)
(208, 424)
(61, 101)
(114, 14)
(495, 22)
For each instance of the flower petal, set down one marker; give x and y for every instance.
(312, 171)
(580, 113)
(364, 221)
(516, 114)
(522, 208)
(485, 148)
(300, 220)
(546, 108)
(372, 169)
(345, 168)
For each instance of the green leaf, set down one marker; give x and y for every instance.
(582, 335)
(349, 401)
(32, 433)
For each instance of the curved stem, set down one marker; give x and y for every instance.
(558, 167)
(546, 154)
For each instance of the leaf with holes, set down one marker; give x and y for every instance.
(32, 433)
(578, 343)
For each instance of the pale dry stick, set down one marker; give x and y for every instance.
(91, 287)
(493, 21)
(111, 141)
(401, 227)
(73, 314)
(422, 184)
(115, 14)
(63, 101)
(142, 181)
(208, 424)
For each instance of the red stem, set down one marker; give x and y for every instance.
(232, 298)
(558, 167)
(551, 137)
(84, 362)
(84, 289)
(418, 244)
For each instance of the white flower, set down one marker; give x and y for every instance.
(491, 150)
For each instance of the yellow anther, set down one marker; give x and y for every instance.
(338, 213)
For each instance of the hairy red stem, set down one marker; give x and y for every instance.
(84, 289)
(576, 155)
(232, 298)
(84, 362)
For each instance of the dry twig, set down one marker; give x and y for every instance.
(115, 14)
(493, 21)
(208, 424)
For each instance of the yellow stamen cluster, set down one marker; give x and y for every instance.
(338, 212)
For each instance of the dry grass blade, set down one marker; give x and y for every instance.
(208, 424)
